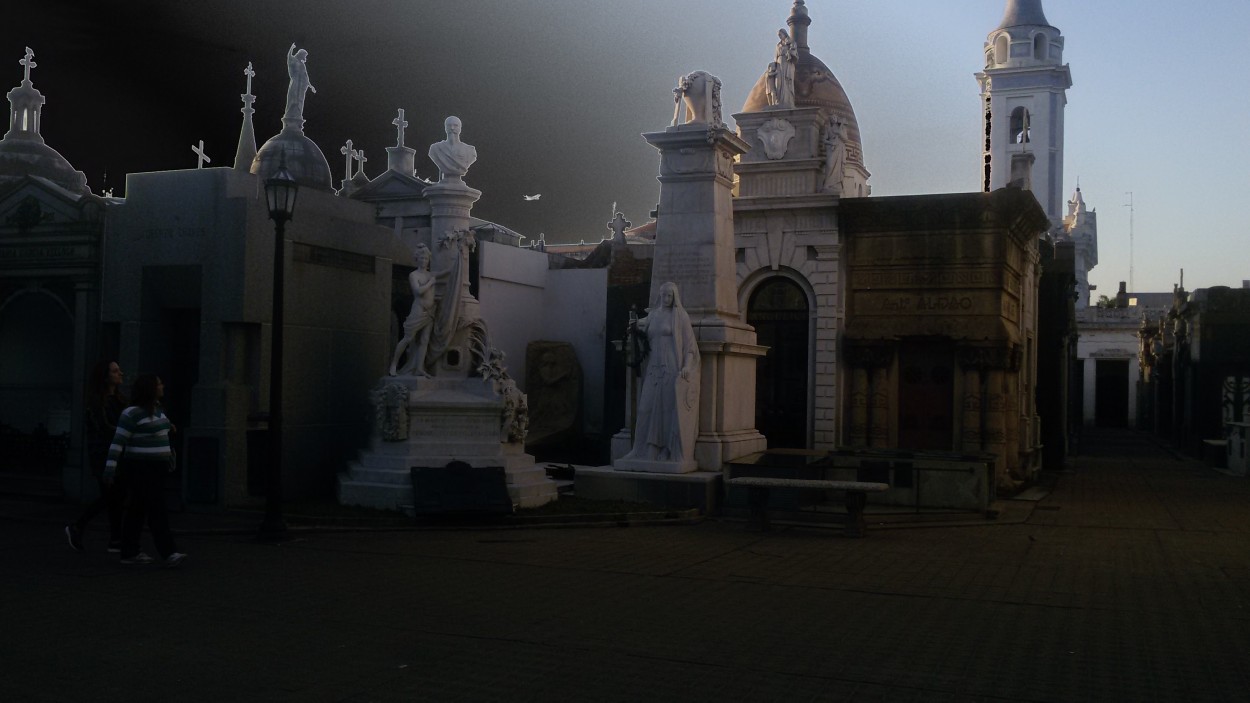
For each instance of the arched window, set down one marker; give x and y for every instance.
(1020, 126)
(1002, 45)
(1039, 46)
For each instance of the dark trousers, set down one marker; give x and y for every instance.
(112, 497)
(145, 481)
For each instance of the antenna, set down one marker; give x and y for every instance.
(1129, 205)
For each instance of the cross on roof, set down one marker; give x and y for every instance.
(618, 225)
(360, 159)
(28, 62)
(400, 123)
(248, 98)
(351, 154)
(199, 151)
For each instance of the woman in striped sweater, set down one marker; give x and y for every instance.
(143, 434)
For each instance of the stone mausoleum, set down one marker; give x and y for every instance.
(855, 322)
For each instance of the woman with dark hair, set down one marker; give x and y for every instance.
(143, 433)
(103, 403)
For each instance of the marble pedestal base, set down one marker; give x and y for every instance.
(655, 467)
(448, 420)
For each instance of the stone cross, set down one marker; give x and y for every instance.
(28, 62)
(199, 151)
(351, 154)
(400, 123)
(248, 98)
(360, 159)
(618, 225)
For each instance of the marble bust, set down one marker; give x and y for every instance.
(452, 156)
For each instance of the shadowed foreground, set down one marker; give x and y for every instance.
(1130, 581)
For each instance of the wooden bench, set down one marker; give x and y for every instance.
(856, 497)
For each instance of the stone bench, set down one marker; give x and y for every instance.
(856, 496)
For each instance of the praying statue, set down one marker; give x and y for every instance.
(420, 322)
(297, 68)
(779, 84)
(452, 156)
(668, 407)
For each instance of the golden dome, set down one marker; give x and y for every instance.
(814, 86)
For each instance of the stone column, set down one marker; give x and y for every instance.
(450, 203)
(1090, 391)
(859, 407)
(879, 407)
(972, 404)
(694, 249)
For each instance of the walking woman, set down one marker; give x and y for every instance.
(143, 434)
(104, 404)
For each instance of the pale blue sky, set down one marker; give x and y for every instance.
(555, 93)
(1160, 106)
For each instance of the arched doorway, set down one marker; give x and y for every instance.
(778, 311)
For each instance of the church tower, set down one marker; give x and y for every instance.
(1023, 94)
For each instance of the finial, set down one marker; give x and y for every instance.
(798, 23)
(203, 158)
(29, 63)
(400, 123)
(247, 96)
(351, 155)
(618, 225)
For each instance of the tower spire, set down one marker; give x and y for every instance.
(1023, 12)
(247, 134)
(26, 104)
(798, 23)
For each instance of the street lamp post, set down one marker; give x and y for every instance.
(280, 192)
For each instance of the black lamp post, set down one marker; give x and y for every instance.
(280, 192)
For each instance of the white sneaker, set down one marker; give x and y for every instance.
(174, 559)
(139, 558)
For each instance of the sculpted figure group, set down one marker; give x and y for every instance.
(779, 82)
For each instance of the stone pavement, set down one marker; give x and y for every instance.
(1129, 581)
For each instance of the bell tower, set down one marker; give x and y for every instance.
(1023, 94)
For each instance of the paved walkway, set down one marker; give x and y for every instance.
(1130, 581)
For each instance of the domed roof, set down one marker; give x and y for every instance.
(23, 151)
(27, 157)
(814, 86)
(303, 159)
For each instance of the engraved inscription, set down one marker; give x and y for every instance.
(932, 278)
(678, 266)
(954, 304)
(40, 252)
(333, 258)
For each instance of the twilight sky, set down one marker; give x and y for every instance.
(554, 95)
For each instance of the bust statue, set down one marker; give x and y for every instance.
(452, 156)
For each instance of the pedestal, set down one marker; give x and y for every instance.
(695, 249)
(447, 420)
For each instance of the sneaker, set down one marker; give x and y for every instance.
(115, 547)
(139, 558)
(173, 560)
(74, 534)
